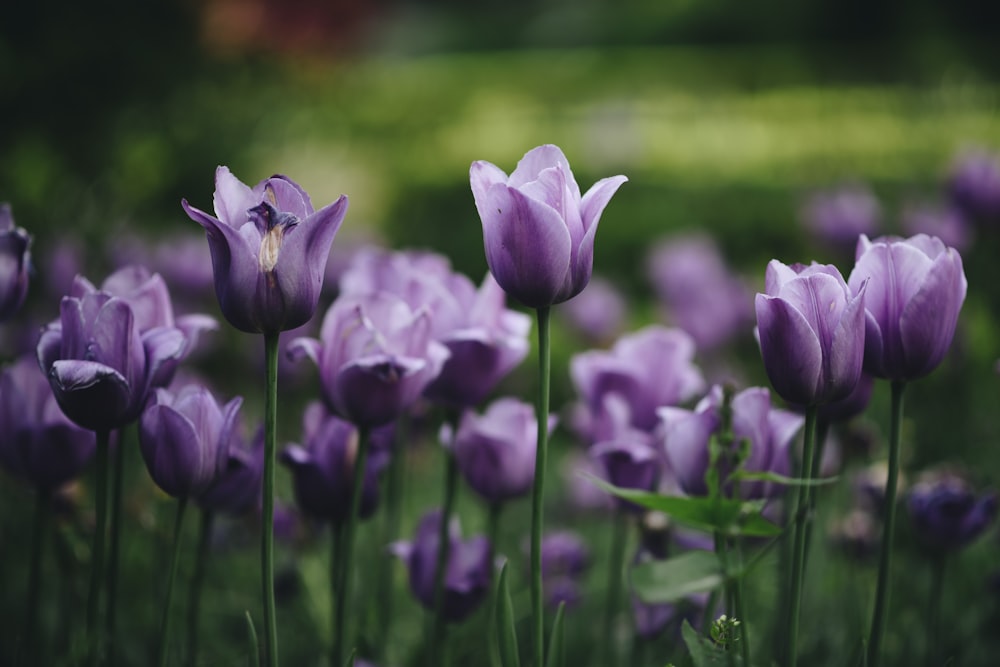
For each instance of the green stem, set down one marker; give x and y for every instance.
(738, 608)
(538, 489)
(347, 548)
(267, 530)
(394, 503)
(30, 647)
(336, 549)
(799, 552)
(938, 562)
(197, 582)
(822, 430)
(444, 546)
(117, 474)
(879, 617)
(175, 556)
(94, 638)
(616, 563)
(493, 534)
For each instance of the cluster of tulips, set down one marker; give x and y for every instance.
(406, 330)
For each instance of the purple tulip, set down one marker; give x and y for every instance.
(947, 513)
(700, 294)
(851, 405)
(686, 435)
(629, 462)
(974, 184)
(39, 444)
(598, 312)
(100, 365)
(15, 260)
(237, 489)
(623, 387)
(185, 439)
(565, 559)
(269, 250)
(916, 288)
(537, 230)
(948, 224)
(838, 216)
(375, 357)
(468, 572)
(495, 451)
(812, 332)
(323, 469)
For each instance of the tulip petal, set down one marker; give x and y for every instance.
(374, 390)
(847, 350)
(790, 348)
(927, 323)
(232, 198)
(93, 395)
(685, 440)
(482, 176)
(171, 448)
(287, 196)
(539, 159)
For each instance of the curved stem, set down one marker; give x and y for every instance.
(165, 624)
(267, 529)
(30, 647)
(538, 488)
(94, 639)
(344, 592)
(616, 563)
(197, 582)
(879, 616)
(799, 552)
(438, 635)
(117, 474)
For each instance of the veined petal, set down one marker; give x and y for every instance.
(847, 350)
(173, 451)
(927, 323)
(93, 395)
(374, 390)
(287, 196)
(537, 160)
(790, 348)
(232, 199)
(482, 176)
(593, 203)
(685, 440)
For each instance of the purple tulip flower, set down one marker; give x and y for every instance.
(468, 572)
(185, 439)
(485, 339)
(812, 332)
(538, 231)
(916, 288)
(39, 444)
(623, 387)
(269, 250)
(100, 365)
(15, 260)
(323, 469)
(237, 489)
(946, 223)
(947, 513)
(839, 215)
(630, 462)
(495, 451)
(375, 357)
(974, 184)
(565, 559)
(686, 435)
(598, 313)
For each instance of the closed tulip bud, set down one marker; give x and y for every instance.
(269, 250)
(538, 231)
(915, 290)
(15, 260)
(185, 438)
(812, 332)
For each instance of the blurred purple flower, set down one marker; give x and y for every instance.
(565, 559)
(598, 312)
(323, 469)
(623, 387)
(916, 288)
(38, 443)
(15, 260)
(868, 485)
(974, 184)
(698, 291)
(630, 462)
(375, 357)
(947, 513)
(495, 451)
(948, 224)
(538, 231)
(468, 572)
(839, 215)
(812, 332)
(653, 619)
(851, 405)
(770, 431)
(185, 438)
(582, 494)
(269, 250)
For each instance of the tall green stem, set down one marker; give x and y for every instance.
(197, 582)
(616, 563)
(879, 617)
(175, 556)
(267, 530)
(30, 647)
(538, 489)
(393, 510)
(438, 634)
(347, 547)
(95, 643)
(336, 551)
(117, 475)
(938, 562)
(799, 553)
(738, 608)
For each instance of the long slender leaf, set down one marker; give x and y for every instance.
(254, 656)
(761, 476)
(506, 632)
(675, 578)
(557, 646)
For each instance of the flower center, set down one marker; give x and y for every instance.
(272, 225)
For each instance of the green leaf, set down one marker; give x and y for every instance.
(557, 647)
(703, 652)
(506, 632)
(670, 580)
(752, 476)
(254, 655)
